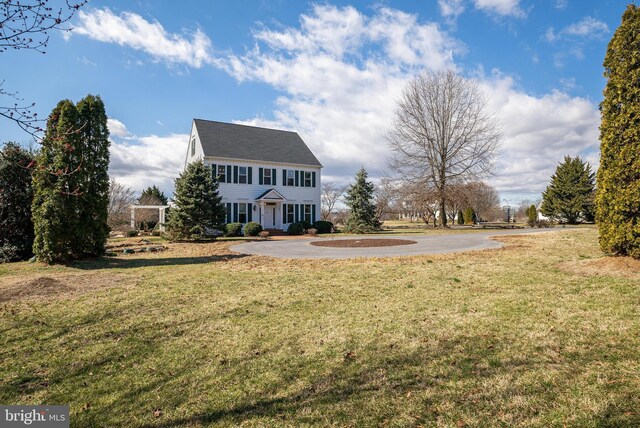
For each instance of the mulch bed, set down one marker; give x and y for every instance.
(362, 243)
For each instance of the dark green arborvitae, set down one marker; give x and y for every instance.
(71, 183)
(362, 211)
(618, 194)
(16, 195)
(94, 199)
(569, 198)
(532, 215)
(198, 206)
(469, 216)
(460, 217)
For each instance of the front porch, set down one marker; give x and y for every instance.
(269, 205)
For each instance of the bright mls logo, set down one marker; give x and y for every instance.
(34, 416)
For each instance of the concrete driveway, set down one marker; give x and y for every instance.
(431, 244)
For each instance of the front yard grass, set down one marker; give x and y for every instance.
(543, 332)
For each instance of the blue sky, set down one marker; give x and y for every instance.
(330, 70)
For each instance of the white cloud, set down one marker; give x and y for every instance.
(538, 133)
(561, 4)
(501, 7)
(192, 48)
(451, 9)
(588, 27)
(140, 162)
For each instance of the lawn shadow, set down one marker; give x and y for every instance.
(132, 263)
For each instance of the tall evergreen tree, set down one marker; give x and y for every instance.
(469, 216)
(362, 211)
(94, 200)
(532, 215)
(16, 195)
(198, 205)
(569, 197)
(71, 183)
(152, 194)
(618, 194)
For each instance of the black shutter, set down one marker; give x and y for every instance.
(260, 176)
(235, 212)
(284, 213)
(273, 177)
(249, 175)
(295, 212)
(229, 212)
(313, 179)
(296, 174)
(214, 172)
(284, 177)
(313, 212)
(235, 174)
(249, 209)
(228, 173)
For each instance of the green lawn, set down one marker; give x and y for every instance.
(540, 333)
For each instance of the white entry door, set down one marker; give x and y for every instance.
(269, 217)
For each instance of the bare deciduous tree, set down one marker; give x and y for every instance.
(442, 134)
(121, 197)
(24, 24)
(419, 201)
(331, 194)
(385, 197)
(482, 198)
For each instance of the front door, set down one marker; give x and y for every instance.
(269, 216)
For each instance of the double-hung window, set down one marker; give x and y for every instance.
(307, 213)
(242, 213)
(290, 214)
(267, 177)
(193, 147)
(242, 177)
(307, 179)
(222, 173)
(290, 177)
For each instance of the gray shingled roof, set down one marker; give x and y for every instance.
(229, 140)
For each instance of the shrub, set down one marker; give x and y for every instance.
(233, 229)
(306, 224)
(312, 231)
(132, 233)
(460, 217)
(252, 229)
(532, 216)
(469, 216)
(295, 229)
(323, 226)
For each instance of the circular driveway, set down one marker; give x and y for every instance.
(431, 244)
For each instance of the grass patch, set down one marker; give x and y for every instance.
(197, 335)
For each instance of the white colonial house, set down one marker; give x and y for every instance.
(267, 176)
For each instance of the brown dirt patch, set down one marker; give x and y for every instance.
(619, 267)
(58, 287)
(362, 243)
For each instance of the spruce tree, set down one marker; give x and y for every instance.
(71, 185)
(362, 211)
(618, 193)
(198, 206)
(152, 195)
(569, 197)
(16, 195)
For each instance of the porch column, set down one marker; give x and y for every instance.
(133, 217)
(161, 218)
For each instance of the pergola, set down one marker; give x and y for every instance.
(161, 214)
